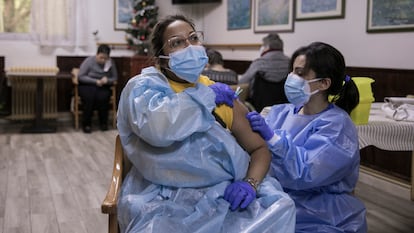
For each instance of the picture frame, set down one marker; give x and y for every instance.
(122, 14)
(319, 9)
(273, 16)
(239, 14)
(390, 16)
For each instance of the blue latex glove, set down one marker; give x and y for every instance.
(258, 124)
(239, 193)
(224, 94)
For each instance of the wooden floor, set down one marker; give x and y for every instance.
(55, 183)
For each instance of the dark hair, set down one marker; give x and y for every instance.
(273, 41)
(157, 39)
(214, 57)
(327, 62)
(103, 48)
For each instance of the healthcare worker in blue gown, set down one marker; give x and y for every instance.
(314, 142)
(197, 164)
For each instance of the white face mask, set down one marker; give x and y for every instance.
(107, 65)
(262, 49)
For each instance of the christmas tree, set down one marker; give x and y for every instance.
(144, 18)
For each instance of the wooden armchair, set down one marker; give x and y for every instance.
(109, 205)
(76, 100)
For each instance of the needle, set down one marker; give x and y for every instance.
(238, 91)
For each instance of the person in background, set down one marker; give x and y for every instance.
(273, 64)
(215, 69)
(96, 75)
(314, 142)
(197, 164)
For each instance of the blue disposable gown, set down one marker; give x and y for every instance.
(183, 161)
(316, 160)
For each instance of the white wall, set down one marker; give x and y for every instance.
(385, 50)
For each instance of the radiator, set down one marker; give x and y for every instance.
(24, 81)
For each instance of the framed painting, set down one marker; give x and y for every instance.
(123, 10)
(390, 15)
(273, 16)
(320, 9)
(239, 14)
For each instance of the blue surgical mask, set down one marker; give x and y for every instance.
(188, 63)
(297, 89)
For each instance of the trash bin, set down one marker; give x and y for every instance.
(360, 114)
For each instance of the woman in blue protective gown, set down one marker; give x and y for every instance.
(197, 164)
(314, 142)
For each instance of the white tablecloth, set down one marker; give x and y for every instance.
(385, 133)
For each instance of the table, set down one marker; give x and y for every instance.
(30, 86)
(387, 134)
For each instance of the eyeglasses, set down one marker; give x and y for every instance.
(180, 42)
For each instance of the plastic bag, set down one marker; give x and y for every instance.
(399, 108)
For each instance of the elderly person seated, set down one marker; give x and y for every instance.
(215, 68)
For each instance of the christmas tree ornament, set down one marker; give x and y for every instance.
(143, 19)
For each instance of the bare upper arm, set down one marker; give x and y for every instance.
(242, 131)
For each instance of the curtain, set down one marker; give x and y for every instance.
(57, 23)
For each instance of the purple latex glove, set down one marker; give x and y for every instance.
(239, 193)
(224, 94)
(258, 124)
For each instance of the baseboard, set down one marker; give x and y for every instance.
(65, 117)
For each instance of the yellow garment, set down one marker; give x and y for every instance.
(224, 111)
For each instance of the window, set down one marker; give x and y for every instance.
(45, 22)
(15, 19)
(15, 16)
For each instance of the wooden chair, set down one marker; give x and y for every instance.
(76, 100)
(109, 205)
